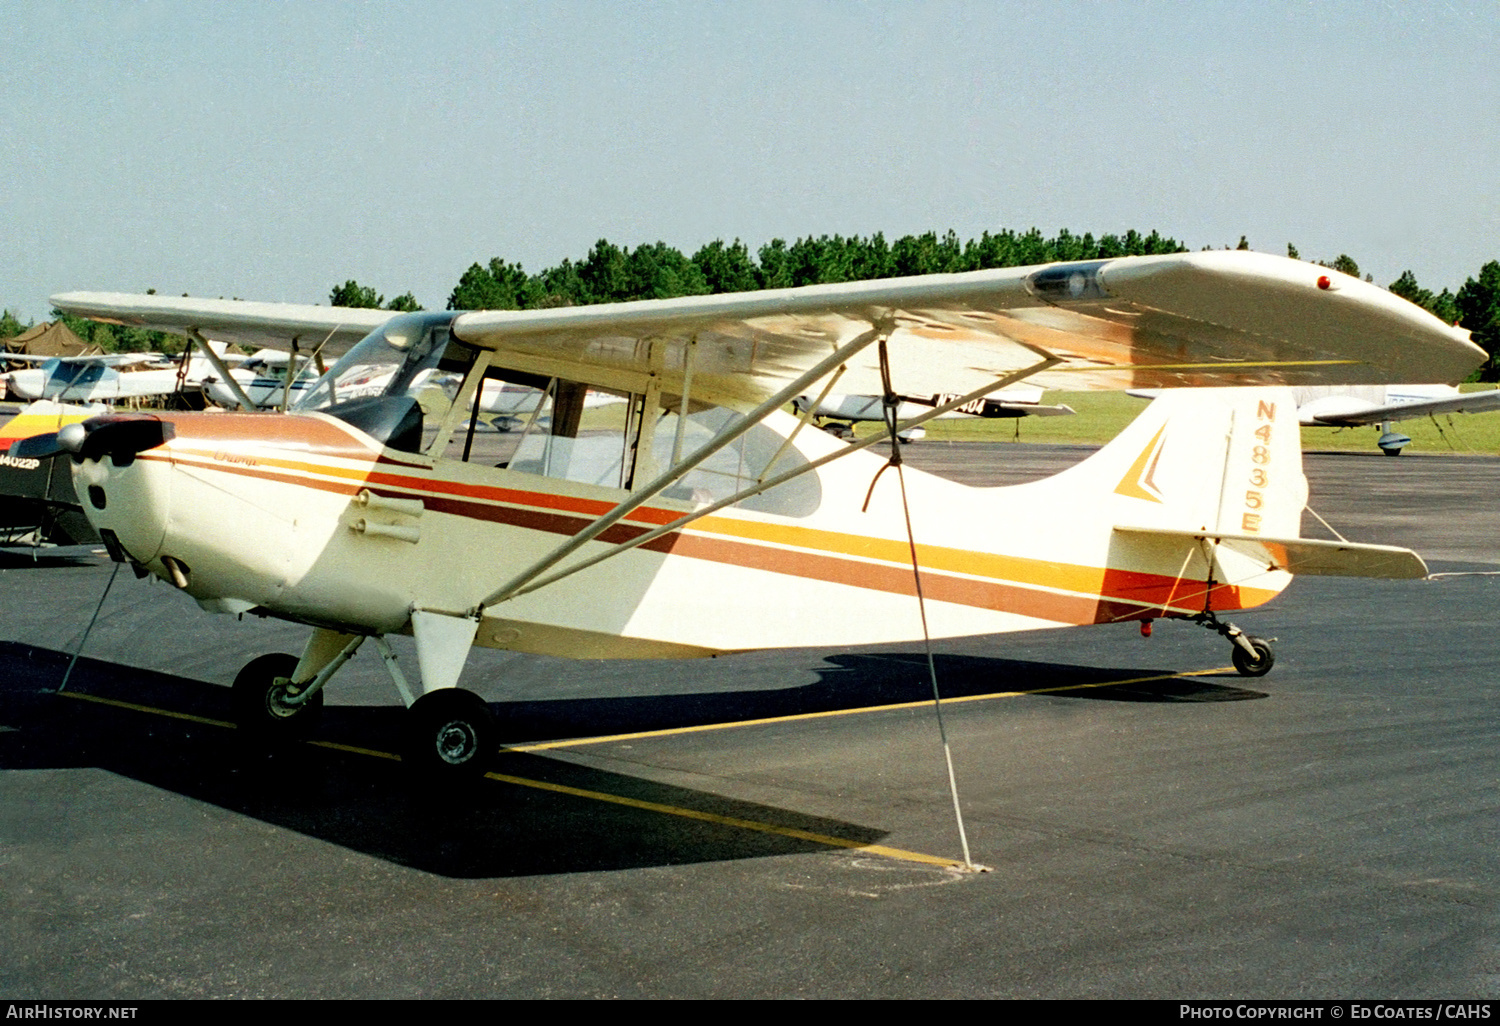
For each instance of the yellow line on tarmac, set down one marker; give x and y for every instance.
(146, 709)
(756, 826)
(731, 821)
(793, 717)
(374, 753)
(577, 792)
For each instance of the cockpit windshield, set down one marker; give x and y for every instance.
(403, 356)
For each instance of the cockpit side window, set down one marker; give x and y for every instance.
(548, 427)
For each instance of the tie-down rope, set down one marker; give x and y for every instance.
(890, 402)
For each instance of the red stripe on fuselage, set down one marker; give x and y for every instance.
(1125, 595)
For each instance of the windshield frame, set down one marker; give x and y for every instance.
(408, 344)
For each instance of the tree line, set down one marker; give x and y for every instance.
(614, 274)
(611, 274)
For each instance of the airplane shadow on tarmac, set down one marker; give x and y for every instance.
(486, 828)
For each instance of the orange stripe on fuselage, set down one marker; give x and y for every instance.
(1057, 592)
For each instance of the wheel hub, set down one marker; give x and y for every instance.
(457, 741)
(276, 700)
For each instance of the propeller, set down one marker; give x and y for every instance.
(118, 435)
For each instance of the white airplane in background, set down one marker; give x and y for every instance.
(262, 377)
(86, 379)
(837, 414)
(1362, 405)
(509, 402)
(1339, 406)
(110, 377)
(714, 522)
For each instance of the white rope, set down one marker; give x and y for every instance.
(89, 629)
(937, 699)
(891, 405)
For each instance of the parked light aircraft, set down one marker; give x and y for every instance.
(837, 414)
(88, 378)
(262, 377)
(1340, 406)
(714, 522)
(511, 402)
(110, 377)
(38, 505)
(1358, 406)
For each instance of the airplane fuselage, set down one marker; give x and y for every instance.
(305, 517)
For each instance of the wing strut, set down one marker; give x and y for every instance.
(220, 369)
(466, 399)
(780, 479)
(731, 432)
(802, 422)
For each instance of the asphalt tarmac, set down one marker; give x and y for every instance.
(1153, 825)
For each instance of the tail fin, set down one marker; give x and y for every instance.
(1198, 504)
(1255, 523)
(1215, 459)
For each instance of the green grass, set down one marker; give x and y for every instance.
(1099, 416)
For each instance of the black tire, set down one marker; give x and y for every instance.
(1391, 452)
(256, 710)
(450, 733)
(1254, 667)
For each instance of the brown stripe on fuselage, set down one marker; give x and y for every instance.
(1123, 594)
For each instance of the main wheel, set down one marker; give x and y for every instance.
(450, 732)
(259, 702)
(1259, 666)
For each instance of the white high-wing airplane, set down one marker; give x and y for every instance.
(837, 414)
(86, 379)
(1361, 405)
(715, 523)
(514, 400)
(106, 377)
(262, 378)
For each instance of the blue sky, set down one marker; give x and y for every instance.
(269, 150)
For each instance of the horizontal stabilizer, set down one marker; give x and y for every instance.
(1306, 555)
(1038, 410)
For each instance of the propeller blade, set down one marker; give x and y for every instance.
(37, 447)
(120, 436)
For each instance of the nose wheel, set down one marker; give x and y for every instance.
(450, 733)
(261, 698)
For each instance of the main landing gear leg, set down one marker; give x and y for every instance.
(1252, 656)
(279, 697)
(450, 732)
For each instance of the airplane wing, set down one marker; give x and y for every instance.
(258, 325)
(1191, 319)
(1472, 402)
(107, 359)
(1182, 320)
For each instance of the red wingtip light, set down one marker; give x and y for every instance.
(1325, 282)
(1145, 628)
